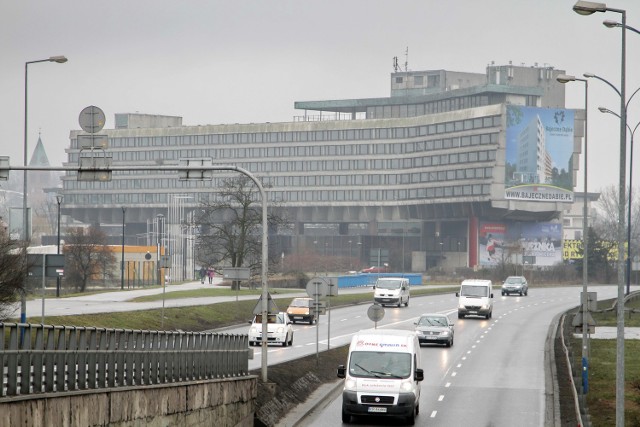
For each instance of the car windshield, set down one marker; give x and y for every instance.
(299, 303)
(432, 321)
(271, 318)
(372, 364)
(514, 280)
(474, 291)
(388, 284)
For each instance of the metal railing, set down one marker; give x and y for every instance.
(44, 359)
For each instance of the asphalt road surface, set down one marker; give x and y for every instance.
(494, 374)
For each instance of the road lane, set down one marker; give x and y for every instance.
(494, 374)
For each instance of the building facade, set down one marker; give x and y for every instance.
(413, 180)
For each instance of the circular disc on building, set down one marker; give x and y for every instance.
(375, 312)
(91, 119)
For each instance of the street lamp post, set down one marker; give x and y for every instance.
(587, 8)
(59, 200)
(26, 235)
(629, 199)
(563, 78)
(122, 258)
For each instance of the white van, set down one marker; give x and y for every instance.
(382, 376)
(475, 298)
(392, 291)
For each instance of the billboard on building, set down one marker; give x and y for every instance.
(539, 154)
(535, 243)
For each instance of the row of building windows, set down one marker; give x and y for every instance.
(291, 181)
(303, 136)
(413, 110)
(381, 165)
(295, 196)
(303, 151)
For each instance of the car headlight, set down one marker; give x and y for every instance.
(253, 330)
(445, 333)
(280, 330)
(460, 305)
(349, 384)
(406, 385)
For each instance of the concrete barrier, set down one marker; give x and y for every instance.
(219, 402)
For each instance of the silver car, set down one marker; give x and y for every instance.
(434, 328)
(515, 285)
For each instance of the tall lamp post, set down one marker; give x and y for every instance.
(59, 200)
(122, 258)
(587, 8)
(630, 199)
(563, 78)
(25, 217)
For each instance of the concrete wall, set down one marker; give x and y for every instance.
(223, 402)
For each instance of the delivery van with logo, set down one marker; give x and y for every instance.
(392, 291)
(382, 376)
(475, 298)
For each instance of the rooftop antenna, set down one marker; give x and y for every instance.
(395, 64)
(406, 59)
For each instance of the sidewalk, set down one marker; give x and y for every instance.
(119, 300)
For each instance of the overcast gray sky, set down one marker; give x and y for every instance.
(212, 61)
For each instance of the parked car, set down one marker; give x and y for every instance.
(279, 329)
(515, 285)
(301, 309)
(434, 328)
(376, 269)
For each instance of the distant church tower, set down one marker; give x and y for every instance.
(43, 187)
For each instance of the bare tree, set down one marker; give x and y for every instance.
(605, 215)
(87, 256)
(13, 271)
(231, 227)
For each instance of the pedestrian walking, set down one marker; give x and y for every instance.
(203, 273)
(212, 273)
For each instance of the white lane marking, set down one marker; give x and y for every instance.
(459, 365)
(453, 374)
(433, 414)
(447, 385)
(441, 398)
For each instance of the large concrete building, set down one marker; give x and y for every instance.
(418, 179)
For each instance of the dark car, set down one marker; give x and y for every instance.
(515, 285)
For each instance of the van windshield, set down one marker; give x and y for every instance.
(299, 303)
(373, 364)
(388, 284)
(474, 291)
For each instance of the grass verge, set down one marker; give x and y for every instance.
(601, 397)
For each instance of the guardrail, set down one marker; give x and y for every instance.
(43, 359)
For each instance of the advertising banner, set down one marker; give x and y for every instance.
(539, 242)
(539, 154)
(572, 249)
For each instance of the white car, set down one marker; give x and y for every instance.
(279, 329)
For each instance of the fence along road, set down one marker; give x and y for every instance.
(43, 358)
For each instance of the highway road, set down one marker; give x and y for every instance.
(494, 374)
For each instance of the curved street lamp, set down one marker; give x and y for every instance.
(630, 201)
(587, 8)
(25, 217)
(563, 78)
